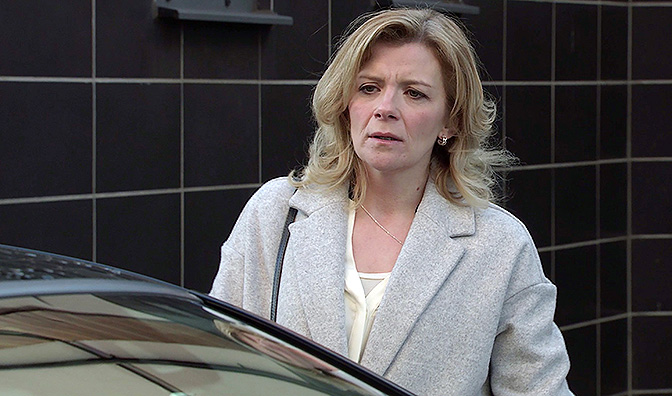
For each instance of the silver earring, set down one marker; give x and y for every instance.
(442, 140)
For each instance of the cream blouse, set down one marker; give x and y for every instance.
(363, 293)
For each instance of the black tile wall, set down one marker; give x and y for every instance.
(582, 349)
(30, 47)
(613, 121)
(530, 200)
(286, 127)
(141, 234)
(63, 227)
(613, 278)
(613, 200)
(652, 198)
(486, 33)
(45, 147)
(131, 43)
(221, 134)
(209, 218)
(299, 51)
(342, 15)
(528, 123)
(613, 357)
(614, 43)
(652, 352)
(226, 51)
(652, 276)
(528, 41)
(651, 48)
(575, 207)
(576, 42)
(575, 123)
(575, 275)
(138, 137)
(651, 120)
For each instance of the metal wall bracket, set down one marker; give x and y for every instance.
(233, 11)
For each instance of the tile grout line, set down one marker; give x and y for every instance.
(259, 117)
(182, 207)
(94, 138)
(628, 154)
(552, 116)
(598, 206)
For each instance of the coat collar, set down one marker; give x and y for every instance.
(427, 258)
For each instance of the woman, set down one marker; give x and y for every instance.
(397, 258)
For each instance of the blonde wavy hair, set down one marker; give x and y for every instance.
(463, 170)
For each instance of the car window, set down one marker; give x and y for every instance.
(120, 344)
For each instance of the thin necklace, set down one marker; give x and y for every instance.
(381, 226)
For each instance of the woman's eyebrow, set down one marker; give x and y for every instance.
(403, 82)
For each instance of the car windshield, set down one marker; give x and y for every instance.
(120, 344)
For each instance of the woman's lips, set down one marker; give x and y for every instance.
(385, 137)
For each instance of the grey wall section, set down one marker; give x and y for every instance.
(135, 142)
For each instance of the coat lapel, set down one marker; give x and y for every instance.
(317, 250)
(428, 257)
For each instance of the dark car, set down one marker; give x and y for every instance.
(72, 327)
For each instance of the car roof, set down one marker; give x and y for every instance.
(29, 273)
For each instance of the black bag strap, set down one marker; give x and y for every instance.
(291, 216)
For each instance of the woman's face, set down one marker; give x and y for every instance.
(398, 108)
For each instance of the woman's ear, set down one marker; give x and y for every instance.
(449, 131)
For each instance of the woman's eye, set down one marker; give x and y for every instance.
(367, 88)
(416, 94)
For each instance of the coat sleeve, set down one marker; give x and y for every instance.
(529, 355)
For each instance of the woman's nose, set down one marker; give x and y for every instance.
(386, 107)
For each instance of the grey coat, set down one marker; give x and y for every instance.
(467, 310)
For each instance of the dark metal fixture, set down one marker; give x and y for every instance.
(234, 11)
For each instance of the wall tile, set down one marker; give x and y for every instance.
(613, 200)
(614, 43)
(141, 234)
(209, 218)
(62, 227)
(576, 42)
(614, 357)
(221, 50)
(575, 212)
(286, 128)
(652, 275)
(528, 41)
(530, 200)
(651, 352)
(528, 123)
(138, 136)
(299, 51)
(575, 123)
(582, 349)
(486, 33)
(575, 276)
(221, 134)
(651, 200)
(30, 47)
(613, 121)
(613, 278)
(130, 42)
(342, 15)
(651, 120)
(46, 147)
(651, 48)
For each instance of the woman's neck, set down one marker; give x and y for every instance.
(394, 193)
